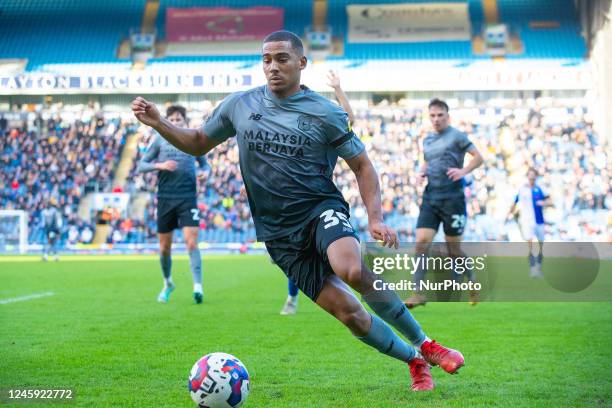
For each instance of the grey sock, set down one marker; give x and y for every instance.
(195, 263)
(471, 274)
(392, 310)
(383, 339)
(419, 275)
(166, 265)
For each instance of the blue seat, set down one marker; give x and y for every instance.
(66, 31)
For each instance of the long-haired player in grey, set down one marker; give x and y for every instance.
(289, 140)
(176, 202)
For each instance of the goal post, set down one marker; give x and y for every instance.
(13, 231)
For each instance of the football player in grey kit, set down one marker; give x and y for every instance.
(52, 223)
(443, 199)
(290, 306)
(289, 140)
(176, 202)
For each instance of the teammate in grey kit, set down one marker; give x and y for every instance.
(176, 202)
(289, 140)
(443, 200)
(52, 223)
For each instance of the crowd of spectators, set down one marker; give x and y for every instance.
(558, 140)
(224, 211)
(59, 157)
(57, 154)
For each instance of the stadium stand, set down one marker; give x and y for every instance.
(300, 14)
(91, 31)
(225, 213)
(45, 156)
(84, 42)
(421, 50)
(512, 135)
(558, 139)
(561, 40)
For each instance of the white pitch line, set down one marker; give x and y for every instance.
(24, 298)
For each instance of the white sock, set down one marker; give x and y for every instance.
(418, 348)
(168, 282)
(197, 287)
(418, 355)
(292, 299)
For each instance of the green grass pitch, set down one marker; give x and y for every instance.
(103, 334)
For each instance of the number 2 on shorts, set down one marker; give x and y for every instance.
(196, 214)
(458, 221)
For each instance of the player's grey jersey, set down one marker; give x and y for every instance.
(288, 151)
(51, 218)
(180, 183)
(443, 151)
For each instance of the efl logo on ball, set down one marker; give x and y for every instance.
(219, 380)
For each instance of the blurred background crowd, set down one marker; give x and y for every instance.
(69, 152)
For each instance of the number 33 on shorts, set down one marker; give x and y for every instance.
(332, 218)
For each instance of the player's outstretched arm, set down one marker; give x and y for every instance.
(369, 188)
(191, 141)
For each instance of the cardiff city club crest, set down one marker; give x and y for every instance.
(305, 123)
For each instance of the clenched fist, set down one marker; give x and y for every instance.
(146, 112)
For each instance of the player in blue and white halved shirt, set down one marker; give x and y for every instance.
(531, 200)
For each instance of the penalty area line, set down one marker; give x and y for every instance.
(26, 297)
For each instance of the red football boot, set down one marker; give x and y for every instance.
(421, 377)
(436, 354)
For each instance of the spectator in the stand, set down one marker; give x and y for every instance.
(35, 166)
(3, 125)
(73, 234)
(86, 235)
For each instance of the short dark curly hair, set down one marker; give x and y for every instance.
(284, 35)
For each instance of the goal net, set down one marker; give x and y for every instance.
(13, 231)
